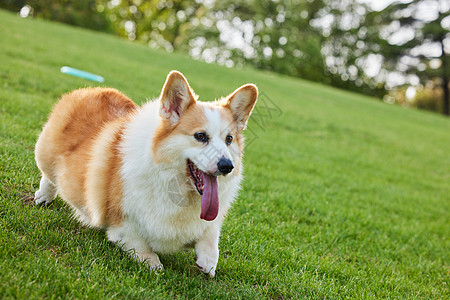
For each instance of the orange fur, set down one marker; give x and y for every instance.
(63, 150)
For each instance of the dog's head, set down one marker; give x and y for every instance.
(202, 139)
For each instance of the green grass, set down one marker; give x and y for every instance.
(344, 196)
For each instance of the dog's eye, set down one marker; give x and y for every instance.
(229, 139)
(201, 137)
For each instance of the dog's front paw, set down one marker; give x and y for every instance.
(151, 260)
(154, 266)
(41, 198)
(207, 265)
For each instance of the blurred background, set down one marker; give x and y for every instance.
(395, 50)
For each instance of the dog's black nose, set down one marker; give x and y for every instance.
(225, 165)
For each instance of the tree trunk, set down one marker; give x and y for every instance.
(445, 88)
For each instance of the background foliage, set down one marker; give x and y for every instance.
(344, 43)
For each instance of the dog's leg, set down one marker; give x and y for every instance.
(133, 244)
(150, 258)
(207, 250)
(46, 192)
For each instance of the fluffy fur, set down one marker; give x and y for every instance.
(150, 176)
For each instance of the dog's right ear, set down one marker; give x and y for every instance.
(176, 97)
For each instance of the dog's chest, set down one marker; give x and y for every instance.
(165, 225)
(171, 232)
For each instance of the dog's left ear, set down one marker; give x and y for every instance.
(241, 103)
(176, 97)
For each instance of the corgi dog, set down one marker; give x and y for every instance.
(157, 178)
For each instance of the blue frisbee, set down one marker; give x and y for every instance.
(82, 74)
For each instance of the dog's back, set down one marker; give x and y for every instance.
(62, 150)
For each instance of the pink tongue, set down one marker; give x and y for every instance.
(210, 198)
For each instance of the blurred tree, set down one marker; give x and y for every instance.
(161, 23)
(349, 58)
(410, 40)
(270, 35)
(376, 51)
(81, 13)
(267, 34)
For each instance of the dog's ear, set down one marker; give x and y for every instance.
(241, 103)
(176, 97)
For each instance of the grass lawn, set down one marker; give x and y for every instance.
(344, 196)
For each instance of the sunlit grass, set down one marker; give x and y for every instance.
(344, 196)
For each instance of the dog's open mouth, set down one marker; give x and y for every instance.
(207, 187)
